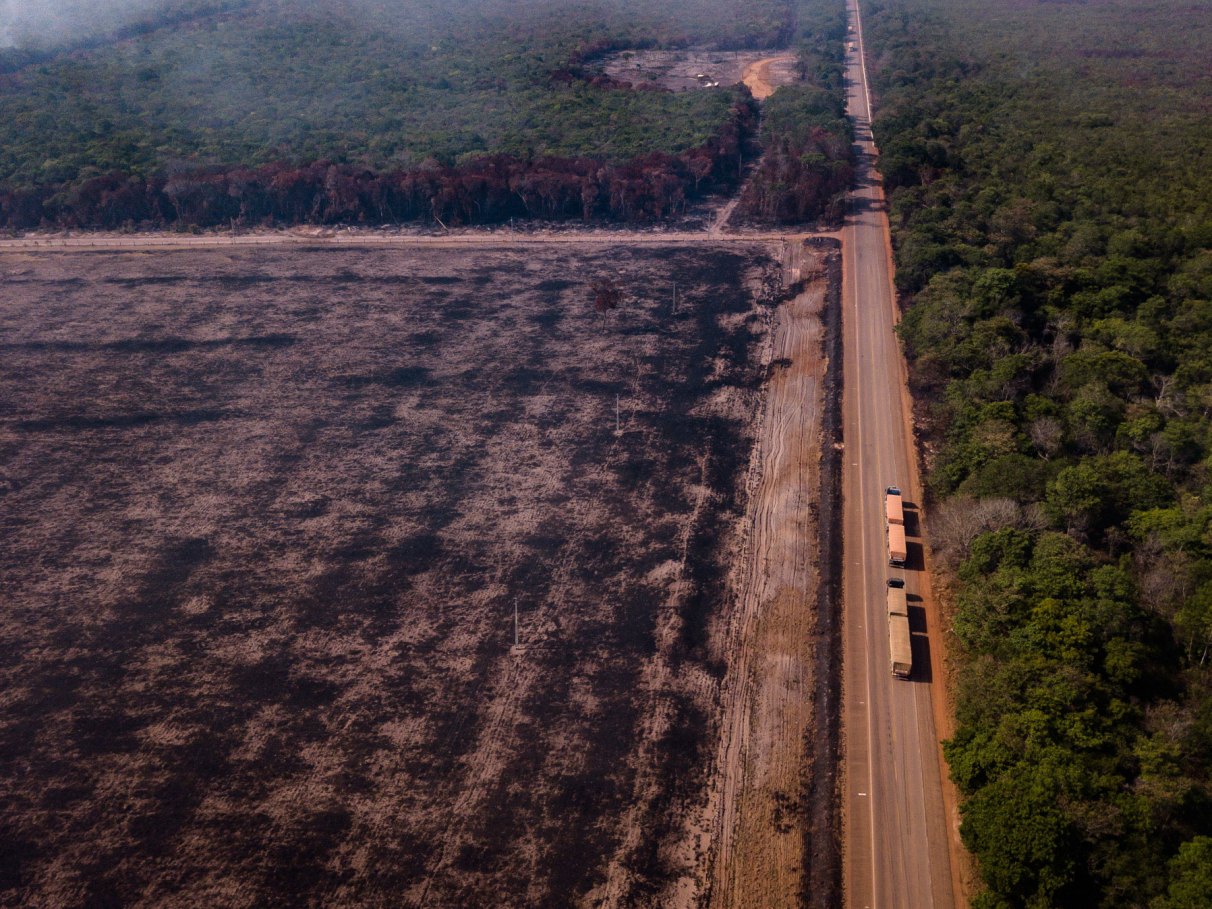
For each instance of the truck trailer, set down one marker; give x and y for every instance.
(898, 603)
(899, 643)
(897, 551)
(899, 646)
(894, 506)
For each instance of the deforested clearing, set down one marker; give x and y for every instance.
(268, 516)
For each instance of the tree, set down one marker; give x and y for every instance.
(1046, 434)
(961, 520)
(1190, 877)
(606, 294)
(1029, 851)
(1103, 491)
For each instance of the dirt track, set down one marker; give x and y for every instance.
(758, 803)
(354, 237)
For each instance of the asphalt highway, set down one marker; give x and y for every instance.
(896, 826)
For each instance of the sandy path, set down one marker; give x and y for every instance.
(721, 218)
(767, 702)
(472, 238)
(764, 76)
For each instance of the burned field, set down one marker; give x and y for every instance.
(267, 515)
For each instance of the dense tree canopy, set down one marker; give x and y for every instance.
(1052, 217)
(807, 164)
(207, 111)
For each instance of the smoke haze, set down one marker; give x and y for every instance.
(46, 23)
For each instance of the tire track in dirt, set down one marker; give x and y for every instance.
(758, 800)
(488, 758)
(658, 683)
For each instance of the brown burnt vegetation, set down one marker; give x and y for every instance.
(267, 515)
(485, 190)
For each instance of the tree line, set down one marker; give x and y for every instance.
(1053, 239)
(807, 162)
(385, 89)
(482, 190)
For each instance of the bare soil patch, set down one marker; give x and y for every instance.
(266, 516)
(764, 76)
(682, 70)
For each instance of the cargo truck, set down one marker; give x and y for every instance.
(900, 646)
(894, 505)
(897, 553)
(898, 603)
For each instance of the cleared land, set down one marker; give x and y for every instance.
(762, 799)
(688, 70)
(267, 513)
(765, 75)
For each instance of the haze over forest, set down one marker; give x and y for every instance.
(46, 23)
(430, 436)
(207, 113)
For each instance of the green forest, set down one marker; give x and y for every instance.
(1049, 167)
(807, 162)
(373, 84)
(218, 111)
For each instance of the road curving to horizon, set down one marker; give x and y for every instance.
(900, 825)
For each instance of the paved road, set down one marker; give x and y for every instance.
(896, 828)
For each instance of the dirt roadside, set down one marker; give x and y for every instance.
(354, 237)
(759, 806)
(823, 769)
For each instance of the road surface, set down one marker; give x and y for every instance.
(896, 825)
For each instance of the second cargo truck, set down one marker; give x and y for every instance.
(900, 645)
(898, 552)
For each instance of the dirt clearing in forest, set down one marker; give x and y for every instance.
(765, 75)
(685, 70)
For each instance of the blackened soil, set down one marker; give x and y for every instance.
(266, 516)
